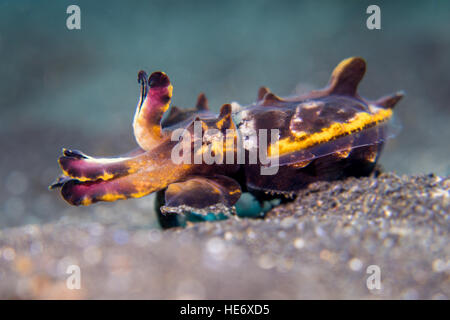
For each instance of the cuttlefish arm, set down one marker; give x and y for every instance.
(88, 180)
(76, 164)
(154, 101)
(202, 195)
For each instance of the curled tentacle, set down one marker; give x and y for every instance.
(156, 94)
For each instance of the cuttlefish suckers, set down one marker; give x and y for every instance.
(325, 135)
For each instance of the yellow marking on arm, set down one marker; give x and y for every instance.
(105, 176)
(112, 197)
(86, 202)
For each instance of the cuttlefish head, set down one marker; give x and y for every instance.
(150, 168)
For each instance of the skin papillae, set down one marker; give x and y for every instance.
(327, 134)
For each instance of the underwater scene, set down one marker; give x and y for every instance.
(351, 175)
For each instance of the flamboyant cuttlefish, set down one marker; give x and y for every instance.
(274, 146)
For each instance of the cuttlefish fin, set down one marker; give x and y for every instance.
(346, 77)
(389, 101)
(202, 192)
(156, 94)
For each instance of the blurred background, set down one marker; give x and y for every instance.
(78, 88)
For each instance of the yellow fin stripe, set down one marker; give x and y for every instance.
(358, 123)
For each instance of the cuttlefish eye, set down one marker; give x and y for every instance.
(158, 79)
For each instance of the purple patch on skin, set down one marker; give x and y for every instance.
(75, 191)
(82, 168)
